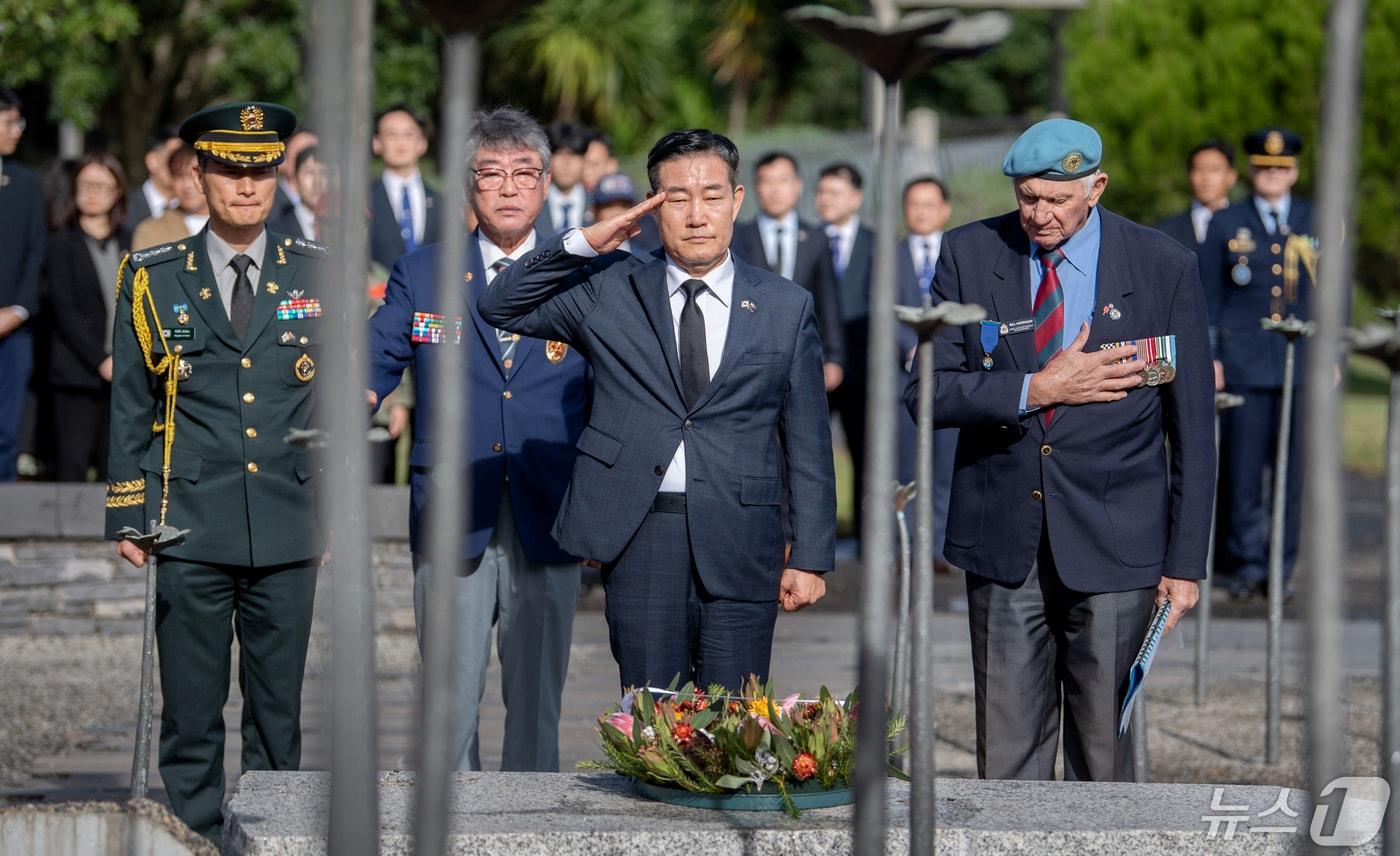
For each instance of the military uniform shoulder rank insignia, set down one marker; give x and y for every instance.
(164, 252)
(296, 308)
(309, 248)
(281, 254)
(556, 351)
(305, 368)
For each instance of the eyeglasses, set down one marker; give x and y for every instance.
(495, 179)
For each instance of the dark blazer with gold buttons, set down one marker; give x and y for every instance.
(1242, 269)
(244, 494)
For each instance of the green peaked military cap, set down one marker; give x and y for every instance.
(1273, 146)
(1057, 149)
(244, 133)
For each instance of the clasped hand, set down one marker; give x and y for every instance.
(1076, 376)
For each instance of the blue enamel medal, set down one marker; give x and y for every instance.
(991, 332)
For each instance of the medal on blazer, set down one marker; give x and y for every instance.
(1159, 355)
(1240, 273)
(555, 351)
(991, 333)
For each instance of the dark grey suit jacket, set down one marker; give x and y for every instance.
(762, 417)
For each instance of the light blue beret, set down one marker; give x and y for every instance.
(1057, 149)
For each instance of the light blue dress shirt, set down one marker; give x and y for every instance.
(1079, 273)
(1283, 207)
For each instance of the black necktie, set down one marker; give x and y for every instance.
(505, 340)
(779, 265)
(695, 361)
(1274, 224)
(241, 306)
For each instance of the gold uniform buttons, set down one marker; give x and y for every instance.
(252, 433)
(1037, 495)
(246, 363)
(497, 447)
(179, 349)
(303, 340)
(506, 395)
(1276, 291)
(1045, 451)
(1277, 269)
(1275, 249)
(249, 398)
(252, 466)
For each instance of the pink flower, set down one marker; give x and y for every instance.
(622, 722)
(788, 704)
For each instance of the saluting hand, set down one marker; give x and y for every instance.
(607, 235)
(1074, 376)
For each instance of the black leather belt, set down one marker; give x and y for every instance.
(669, 503)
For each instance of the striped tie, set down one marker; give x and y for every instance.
(1049, 313)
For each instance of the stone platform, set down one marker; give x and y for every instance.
(559, 814)
(134, 828)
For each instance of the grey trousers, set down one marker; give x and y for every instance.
(532, 607)
(1040, 650)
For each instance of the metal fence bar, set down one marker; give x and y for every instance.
(877, 540)
(922, 772)
(1277, 523)
(1390, 687)
(342, 41)
(447, 511)
(1322, 536)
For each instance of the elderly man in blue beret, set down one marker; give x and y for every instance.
(1085, 463)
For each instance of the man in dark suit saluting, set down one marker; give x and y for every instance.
(707, 390)
(1062, 511)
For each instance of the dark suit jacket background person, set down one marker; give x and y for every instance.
(22, 221)
(1069, 526)
(804, 254)
(680, 486)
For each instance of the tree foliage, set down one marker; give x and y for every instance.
(1158, 76)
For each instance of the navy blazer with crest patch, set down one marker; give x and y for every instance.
(524, 443)
(762, 417)
(1123, 489)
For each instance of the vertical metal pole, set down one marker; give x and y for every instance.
(1322, 536)
(141, 756)
(922, 823)
(878, 539)
(1139, 737)
(1203, 606)
(1390, 693)
(1272, 734)
(341, 48)
(900, 699)
(447, 512)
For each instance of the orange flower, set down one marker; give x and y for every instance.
(683, 734)
(804, 766)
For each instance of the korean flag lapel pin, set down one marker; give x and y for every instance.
(748, 304)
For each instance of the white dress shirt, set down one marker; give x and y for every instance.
(714, 303)
(155, 199)
(195, 222)
(916, 249)
(783, 229)
(576, 199)
(1200, 220)
(417, 200)
(846, 237)
(490, 253)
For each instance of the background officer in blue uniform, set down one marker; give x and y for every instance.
(1062, 512)
(527, 400)
(1243, 267)
(230, 319)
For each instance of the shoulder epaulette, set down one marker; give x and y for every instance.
(156, 255)
(302, 246)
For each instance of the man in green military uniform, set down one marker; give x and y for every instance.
(214, 353)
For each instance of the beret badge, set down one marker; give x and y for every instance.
(251, 118)
(1072, 162)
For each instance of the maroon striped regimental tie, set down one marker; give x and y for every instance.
(1049, 311)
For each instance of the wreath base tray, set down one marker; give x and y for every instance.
(805, 796)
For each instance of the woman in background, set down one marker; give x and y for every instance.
(80, 272)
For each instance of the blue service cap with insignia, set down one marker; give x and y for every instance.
(615, 188)
(1273, 146)
(246, 133)
(1057, 149)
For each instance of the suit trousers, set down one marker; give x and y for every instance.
(663, 625)
(199, 610)
(1040, 650)
(80, 432)
(1248, 445)
(531, 605)
(16, 362)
